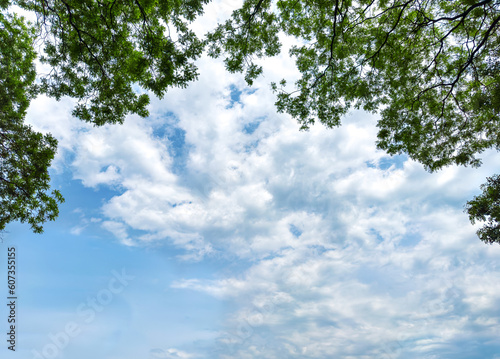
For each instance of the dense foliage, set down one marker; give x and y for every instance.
(25, 155)
(486, 208)
(98, 50)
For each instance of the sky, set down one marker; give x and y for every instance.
(216, 229)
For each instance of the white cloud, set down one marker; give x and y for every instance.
(170, 353)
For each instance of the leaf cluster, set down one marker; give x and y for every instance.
(486, 208)
(99, 50)
(251, 32)
(25, 195)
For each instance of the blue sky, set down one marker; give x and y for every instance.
(216, 229)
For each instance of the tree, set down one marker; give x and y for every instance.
(486, 208)
(101, 52)
(24, 154)
(430, 67)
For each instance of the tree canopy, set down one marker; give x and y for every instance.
(486, 208)
(98, 50)
(429, 67)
